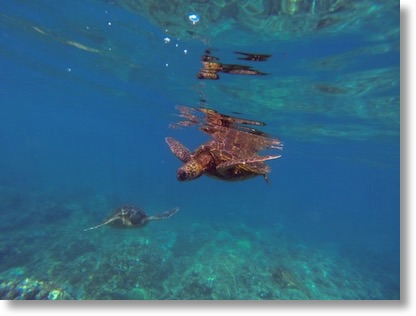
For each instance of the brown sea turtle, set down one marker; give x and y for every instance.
(232, 154)
(129, 216)
(214, 160)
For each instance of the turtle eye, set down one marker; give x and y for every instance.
(182, 175)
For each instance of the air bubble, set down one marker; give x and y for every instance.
(194, 18)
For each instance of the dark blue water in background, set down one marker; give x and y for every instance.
(87, 128)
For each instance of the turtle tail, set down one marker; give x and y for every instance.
(164, 215)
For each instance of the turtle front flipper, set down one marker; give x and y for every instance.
(179, 150)
(102, 224)
(164, 215)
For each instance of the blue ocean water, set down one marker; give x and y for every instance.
(88, 92)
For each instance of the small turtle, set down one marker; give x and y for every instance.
(129, 216)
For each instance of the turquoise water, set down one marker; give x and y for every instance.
(88, 92)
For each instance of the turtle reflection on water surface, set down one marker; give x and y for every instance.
(232, 154)
(132, 217)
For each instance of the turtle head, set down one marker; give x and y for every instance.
(190, 170)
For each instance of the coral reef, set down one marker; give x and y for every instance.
(207, 260)
(18, 288)
(284, 278)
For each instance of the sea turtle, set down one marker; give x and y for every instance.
(214, 160)
(129, 216)
(231, 155)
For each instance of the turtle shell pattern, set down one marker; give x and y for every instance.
(128, 216)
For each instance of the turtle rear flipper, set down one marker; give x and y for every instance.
(254, 165)
(247, 161)
(179, 150)
(164, 215)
